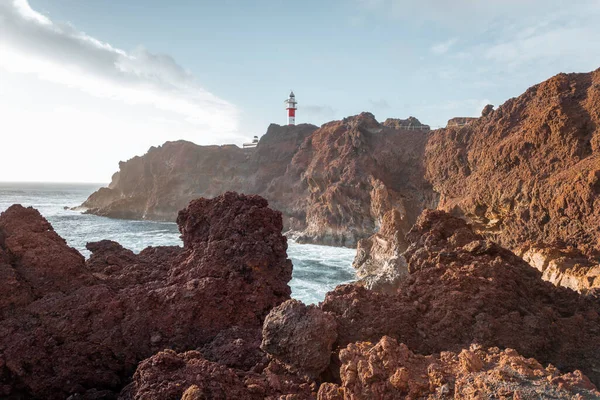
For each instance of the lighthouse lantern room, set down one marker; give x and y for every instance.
(290, 106)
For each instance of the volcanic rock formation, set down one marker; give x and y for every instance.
(388, 370)
(462, 289)
(356, 170)
(163, 181)
(69, 326)
(527, 176)
(527, 173)
(466, 301)
(333, 184)
(300, 337)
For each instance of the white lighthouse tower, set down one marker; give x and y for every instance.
(290, 106)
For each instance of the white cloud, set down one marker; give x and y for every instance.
(74, 106)
(32, 43)
(443, 47)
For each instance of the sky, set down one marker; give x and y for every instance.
(85, 84)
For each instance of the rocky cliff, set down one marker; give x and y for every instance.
(163, 181)
(333, 184)
(526, 175)
(528, 172)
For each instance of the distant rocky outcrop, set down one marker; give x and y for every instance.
(333, 184)
(410, 123)
(163, 181)
(68, 326)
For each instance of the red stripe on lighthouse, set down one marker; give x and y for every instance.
(291, 112)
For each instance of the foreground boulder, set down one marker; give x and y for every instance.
(388, 370)
(300, 337)
(78, 328)
(463, 289)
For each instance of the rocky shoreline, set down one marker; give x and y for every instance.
(214, 319)
(526, 175)
(478, 253)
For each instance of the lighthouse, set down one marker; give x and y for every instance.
(290, 106)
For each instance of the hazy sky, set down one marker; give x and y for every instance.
(85, 84)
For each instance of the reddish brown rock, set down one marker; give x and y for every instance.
(163, 181)
(300, 337)
(356, 170)
(463, 289)
(87, 327)
(388, 370)
(332, 184)
(527, 173)
(169, 375)
(34, 258)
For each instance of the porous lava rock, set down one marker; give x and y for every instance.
(34, 259)
(300, 337)
(462, 289)
(388, 370)
(83, 327)
(171, 375)
(528, 173)
(168, 375)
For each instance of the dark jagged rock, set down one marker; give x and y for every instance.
(463, 289)
(168, 375)
(70, 327)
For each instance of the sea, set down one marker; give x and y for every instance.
(317, 269)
